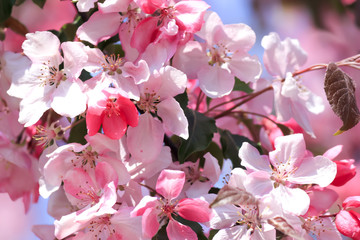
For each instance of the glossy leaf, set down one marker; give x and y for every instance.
(78, 133)
(201, 132)
(231, 144)
(242, 86)
(340, 92)
(182, 99)
(40, 3)
(5, 9)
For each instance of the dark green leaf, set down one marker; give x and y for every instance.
(231, 144)
(40, 3)
(212, 233)
(114, 48)
(285, 129)
(78, 133)
(242, 86)
(161, 234)
(102, 45)
(201, 132)
(19, 2)
(340, 92)
(182, 99)
(5, 9)
(2, 34)
(196, 227)
(208, 101)
(68, 31)
(85, 75)
(216, 151)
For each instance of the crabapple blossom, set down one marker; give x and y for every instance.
(222, 57)
(44, 85)
(292, 98)
(109, 109)
(289, 164)
(156, 211)
(99, 148)
(241, 219)
(170, 21)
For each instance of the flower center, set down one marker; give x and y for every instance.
(112, 64)
(51, 75)
(112, 108)
(219, 54)
(148, 102)
(85, 159)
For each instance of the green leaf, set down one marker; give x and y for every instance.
(216, 151)
(182, 99)
(201, 132)
(78, 132)
(212, 233)
(231, 144)
(68, 31)
(5, 9)
(161, 234)
(85, 75)
(196, 227)
(242, 86)
(114, 48)
(285, 129)
(40, 3)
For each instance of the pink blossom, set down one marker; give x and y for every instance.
(155, 211)
(223, 56)
(93, 192)
(111, 111)
(289, 164)
(19, 172)
(56, 163)
(44, 85)
(172, 19)
(292, 98)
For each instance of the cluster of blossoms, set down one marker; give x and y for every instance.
(124, 126)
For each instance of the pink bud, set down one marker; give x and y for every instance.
(347, 222)
(345, 171)
(351, 202)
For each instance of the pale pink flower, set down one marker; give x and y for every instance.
(44, 85)
(109, 109)
(199, 180)
(112, 6)
(223, 56)
(321, 199)
(241, 220)
(155, 212)
(18, 172)
(322, 228)
(119, 225)
(157, 96)
(100, 148)
(169, 20)
(117, 72)
(93, 192)
(289, 164)
(292, 98)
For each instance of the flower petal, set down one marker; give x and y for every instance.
(170, 183)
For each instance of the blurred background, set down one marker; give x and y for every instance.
(328, 30)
